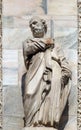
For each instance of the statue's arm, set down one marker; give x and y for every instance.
(66, 69)
(30, 48)
(64, 63)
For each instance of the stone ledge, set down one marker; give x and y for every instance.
(38, 128)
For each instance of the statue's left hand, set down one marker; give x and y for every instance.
(66, 75)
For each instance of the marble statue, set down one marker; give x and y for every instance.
(48, 77)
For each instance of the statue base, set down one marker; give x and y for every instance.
(38, 128)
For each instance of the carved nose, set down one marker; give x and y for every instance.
(39, 27)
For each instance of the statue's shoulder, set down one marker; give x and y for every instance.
(25, 42)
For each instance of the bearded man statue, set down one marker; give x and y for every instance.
(48, 77)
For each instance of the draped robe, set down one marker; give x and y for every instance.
(44, 101)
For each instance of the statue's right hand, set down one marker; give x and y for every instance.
(49, 41)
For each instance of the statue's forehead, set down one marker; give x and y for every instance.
(35, 19)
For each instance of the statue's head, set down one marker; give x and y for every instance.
(38, 27)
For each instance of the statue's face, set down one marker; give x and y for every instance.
(37, 28)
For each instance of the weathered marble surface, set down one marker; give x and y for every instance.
(23, 21)
(72, 124)
(15, 35)
(12, 102)
(71, 55)
(22, 69)
(12, 123)
(62, 7)
(10, 67)
(15, 23)
(38, 128)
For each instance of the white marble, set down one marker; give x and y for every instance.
(14, 37)
(15, 31)
(72, 124)
(12, 123)
(12, 102)
(10, 67)
(62, 7)
(20, 7)
(22, 69)
(71, 55)
(38, 128)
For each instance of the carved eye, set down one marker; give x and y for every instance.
(34, 22)
(43, 21)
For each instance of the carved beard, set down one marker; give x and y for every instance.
(38, 33)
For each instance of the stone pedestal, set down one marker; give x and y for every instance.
(38, 128)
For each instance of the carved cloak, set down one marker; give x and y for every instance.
(43, 104)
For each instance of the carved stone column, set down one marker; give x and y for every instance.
(0, 64)
(79, 67)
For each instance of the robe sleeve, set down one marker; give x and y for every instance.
(66, 69)
(30, 48)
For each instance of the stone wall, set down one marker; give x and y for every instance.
(16, 15)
